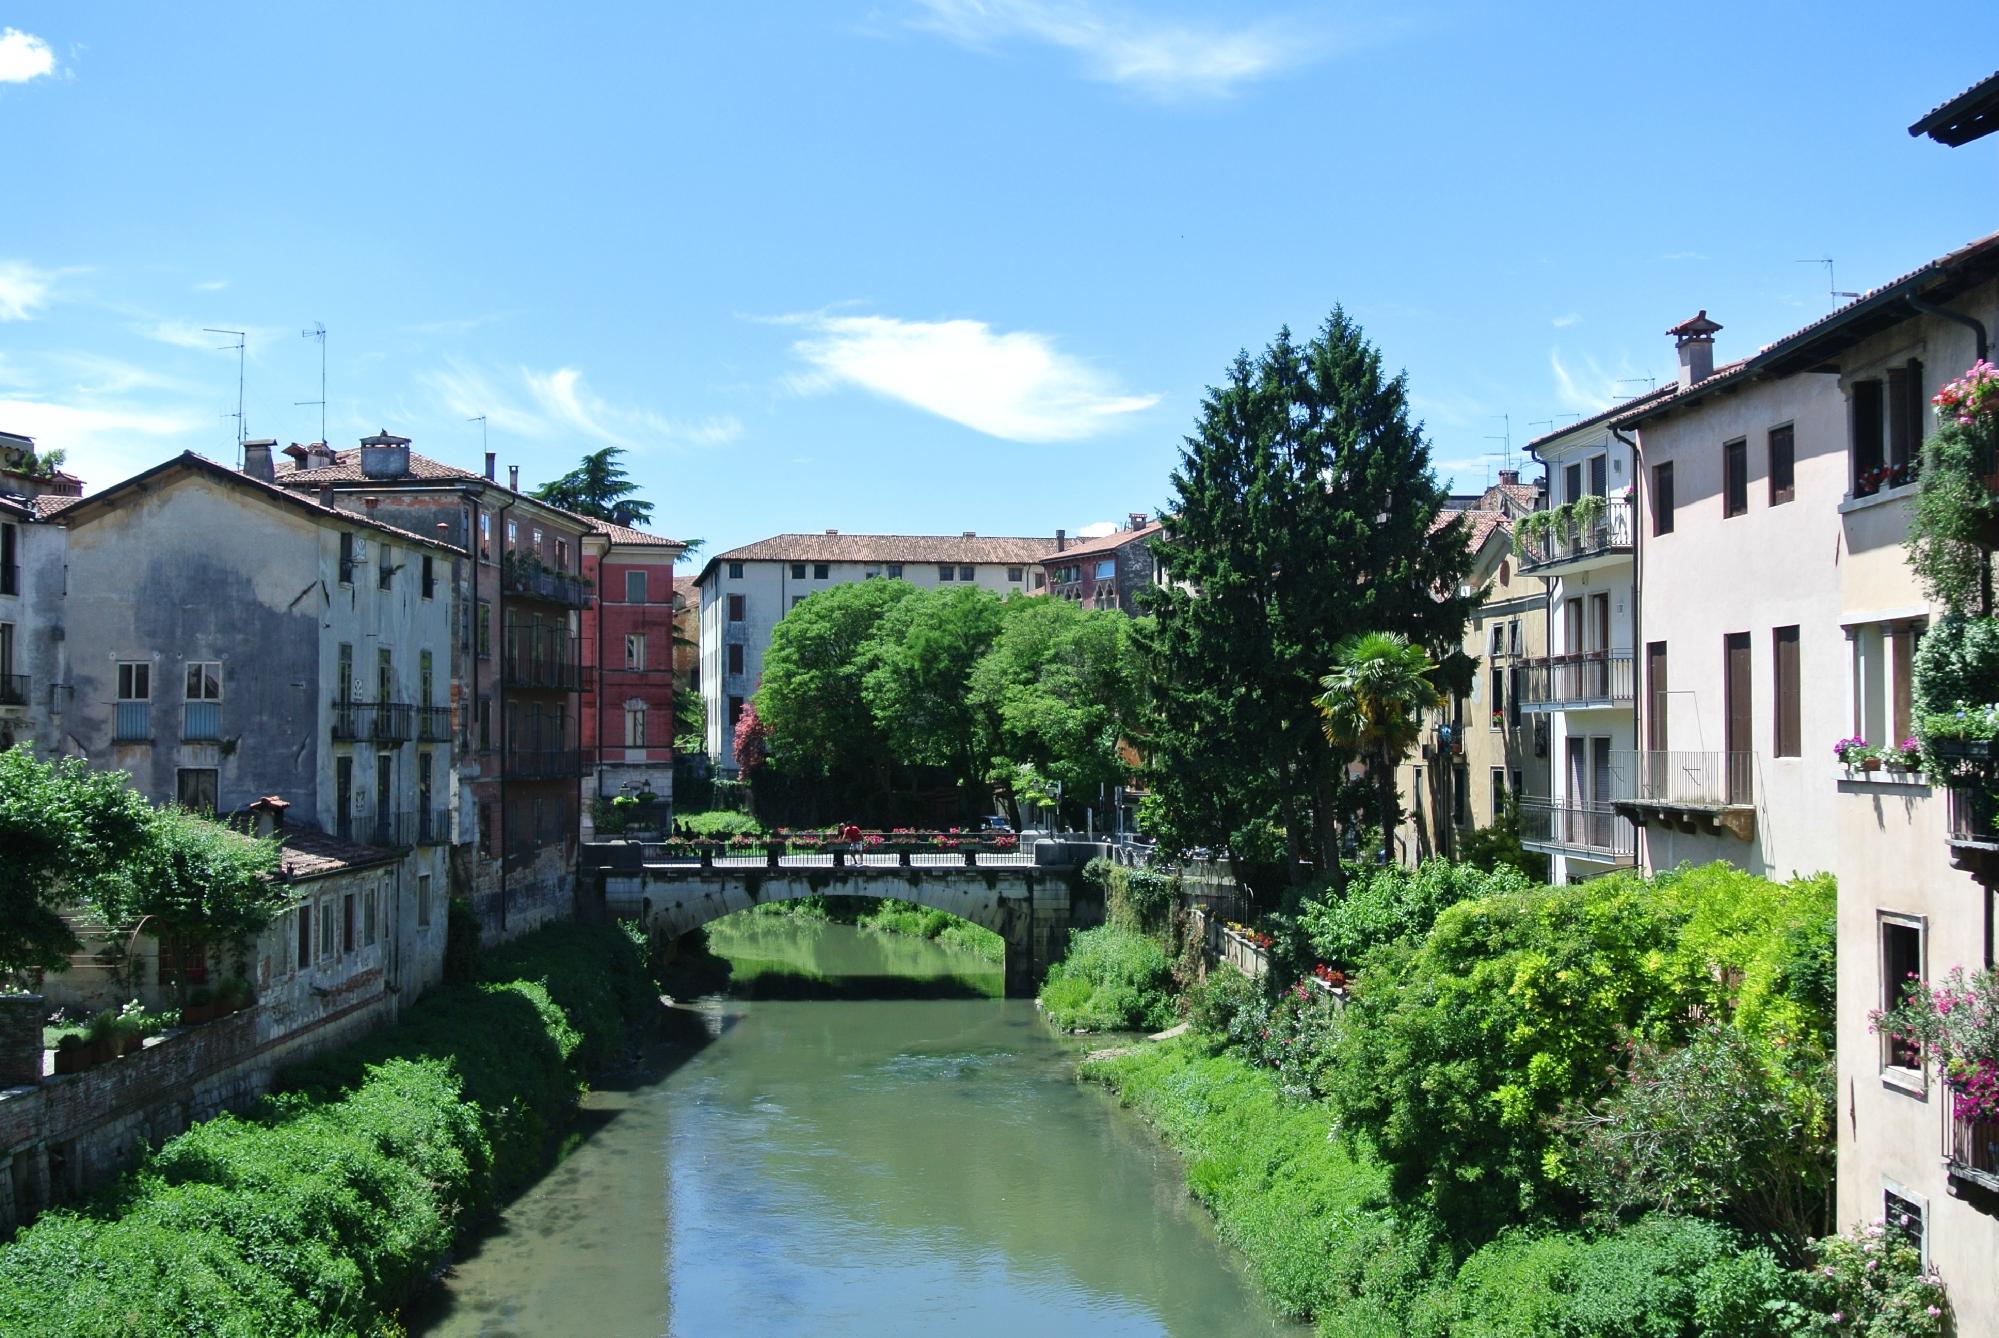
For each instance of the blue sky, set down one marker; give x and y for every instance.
(926, 265)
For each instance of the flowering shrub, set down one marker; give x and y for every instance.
(752, 739)
(1335, 979)
(1907, 755)
(1972, 397)
(1870, 1283)
(1254, 937)
(1296, 1038)
(1956, 1022)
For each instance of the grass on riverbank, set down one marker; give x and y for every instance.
(1111, 979)
(325, 1207)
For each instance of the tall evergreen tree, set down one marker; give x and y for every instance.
(1304, 515)
(599, 487)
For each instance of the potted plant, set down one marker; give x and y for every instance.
(101, 1040)
(1906, 755)
(1856, 752)
(72, 1055)
(1955, 1022)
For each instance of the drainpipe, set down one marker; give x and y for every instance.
(1976, 327)
(1638, 656)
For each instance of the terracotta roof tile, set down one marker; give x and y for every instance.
(1109, 543)
(910, 548)
(49, 504)
(307, 852)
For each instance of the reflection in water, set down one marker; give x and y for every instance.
(856, 1166)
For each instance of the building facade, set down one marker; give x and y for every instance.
(629, 657)
(1777, 616)
(32, 654)
(1103, 573)
(745, 591)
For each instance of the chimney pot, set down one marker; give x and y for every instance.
(970, 534)
(832, 531)
(1694, 340)
(371, 503)
(489, 466)
(1061, 540)
(514, 477)
(1137, 519)
(1509, 478)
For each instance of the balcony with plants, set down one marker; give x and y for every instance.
(524, 575)
(1953, 1024)
(1953, 531)
(1576, 536)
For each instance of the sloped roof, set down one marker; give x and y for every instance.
(310, 853)
(1109, 543)
(1970, 115)
(80, 509)
(973, 549)
(50, 504)
(1479, 525)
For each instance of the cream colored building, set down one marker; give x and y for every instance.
(1777, 615)
(1482, 747)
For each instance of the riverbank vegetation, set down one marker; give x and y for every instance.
(1600, 1109)
(888, 915)
(325, 1208)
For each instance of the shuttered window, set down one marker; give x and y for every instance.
(1662, 498)
(1783, 465)
(1735, 477)
(1784, 660)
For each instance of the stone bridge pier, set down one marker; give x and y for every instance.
(1031, 906)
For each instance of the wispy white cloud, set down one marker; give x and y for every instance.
(1683, 255)
(23, 56)
(554, 404)
(1567, 319)
(462, 325)
(24, 289)
(108, 442)
(211, 285)
(1131, 47)
(186, 334)
(1016, 386)
(1593, 387)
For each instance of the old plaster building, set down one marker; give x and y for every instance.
(32, 659)
(1101, 573)
(745, 591)
(1777, 615)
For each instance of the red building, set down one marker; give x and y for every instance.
(628, 655)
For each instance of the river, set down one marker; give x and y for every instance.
(854, 1164)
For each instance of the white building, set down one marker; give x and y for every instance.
(745, 591)
(32, 660)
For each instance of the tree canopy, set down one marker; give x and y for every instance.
(598, 487)
(70, 834)
(1304, 514)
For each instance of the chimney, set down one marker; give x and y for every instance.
(269, 815)
(385, 456)
(1137, 519)
(832, 531)
(1695, 341)
(257, 460)
(318, 455)
(969, 534)
(1061, 540)
(326, 495)
(371, 503)
(514, 477)
(489, 466)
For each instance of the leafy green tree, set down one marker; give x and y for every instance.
(1303, 515)
(810, 696)
(70, 835)
(199, 883)
(1498, 846)
(918, 676)
(1054, 695)
(1373, 705)
(599, 487)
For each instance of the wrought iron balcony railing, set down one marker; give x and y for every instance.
(1689, 780)
(1566, 541)
(544, 763)
(1593, 830)
(1592, 678)
(433, 723)
(15, 689)
(382, 722)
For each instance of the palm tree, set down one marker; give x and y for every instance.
(1372, 705)
(599, 487)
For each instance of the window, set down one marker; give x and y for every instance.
(1496, 641)
(304, 914)
(1599, 486)
(1497, 782)
(895, 571)
(1905, 414)
(1514, 675)
(201, 711)
(820, 571)
(947, 573)
(1903, 1213)
(1784, 665)
(1735, 477)
(1498, 697)
(135, 692)
(635, 650)
(368, 900)
(485, 534)
(1461, 795)
(798, 571)
(562, 555)
(485, 630)
(326, 939)
(385, 675)
(385, 571)
(1107, 569)
(735, 608)
(1783, 464)
(349, 557)
(347, 923)
(513, 534)
(964, 573)
(870, 573)
(736, 657)
(1662, 498)
(1572, 482)
(1901, 962)
(1883, 679)
(1513, 637)
(429, 576)
(1888, 418)
(1013, 574)
(735, 571)
(735, 711)
(796, 600)
(422, 900)
(1655, 696)
(635, 725)
(635, 587)
(426, 676)
(1737, 709)
(536, 541)
(194, 789)
(485, 829)
(485, 724)
(10, 561)
(1864, 404)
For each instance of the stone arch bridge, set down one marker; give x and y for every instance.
(1031, 899)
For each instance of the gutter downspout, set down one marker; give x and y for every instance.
(1976, 327)
(1638, 656)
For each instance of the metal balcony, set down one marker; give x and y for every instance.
(544, 663)
(544, 763)
(380, 722)
(433, 724)
(1596, 678)
(1590, 830)
(134, 723)
(1692, 791)
(1577, 548)
(433, 827)
(15, 689)
(1974, 1152)
(524, 580)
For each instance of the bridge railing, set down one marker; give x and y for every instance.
(798, 855)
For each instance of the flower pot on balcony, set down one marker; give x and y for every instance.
(1870, 764)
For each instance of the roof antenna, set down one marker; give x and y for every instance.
(1831, 283)
(238, 415)
(318, 331)
(1505, 437)
(481, 421)
(1651, 383)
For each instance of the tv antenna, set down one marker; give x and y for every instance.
(1832, 284)
(1651, 383)
(481, 421)
(318, 331)
(238, 415)
(1550, 423)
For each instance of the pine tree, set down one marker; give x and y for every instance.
(1304, 515)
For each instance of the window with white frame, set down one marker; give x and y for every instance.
(201, 707)
(1901, 964)
(135, 693)
(635, 724)
(635, 650)
(1883, 678)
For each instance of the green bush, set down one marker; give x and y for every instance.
(720, 823)
(1957, 660)
(1215, 1001)
(1138, 900)
(1388, 902)
(325, 1207)
(1128, 980)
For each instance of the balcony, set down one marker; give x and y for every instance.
(15, 689)
(1567, 546)
(1974, 1152)
(133, 723)
(1596, 678)
(1693, 792)
(200, 722)
(543, 763)
(433, 724)
(542, 662)
(433, 827)
(526, 578)
(379, 722)
(1591, 831)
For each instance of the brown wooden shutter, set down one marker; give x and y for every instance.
(1784, 656)
(1740, 716)
(1655, 705)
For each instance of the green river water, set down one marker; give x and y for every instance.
(868, 1162)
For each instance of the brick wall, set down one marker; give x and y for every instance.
(21, 1038)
